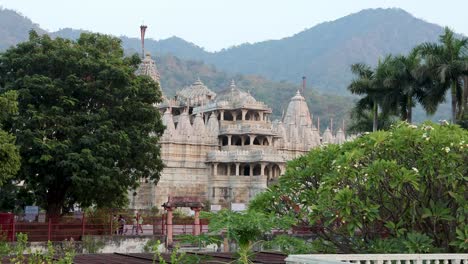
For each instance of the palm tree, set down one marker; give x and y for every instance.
(405, 82)
(364, 84)
(369, 84)
(447, 64)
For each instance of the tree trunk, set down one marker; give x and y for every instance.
(409, 110)
(54, 204)
(376, 113)
(454, 103)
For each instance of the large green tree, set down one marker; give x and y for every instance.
(87, 126)
(9, 154)
(448, 64)
(402, 190)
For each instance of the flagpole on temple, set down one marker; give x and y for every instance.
(142, 32)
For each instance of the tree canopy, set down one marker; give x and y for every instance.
(402, 190)
(86, 126)
(9, 154)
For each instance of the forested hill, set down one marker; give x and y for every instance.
(14, 28)
(323, 53)
(177, 73)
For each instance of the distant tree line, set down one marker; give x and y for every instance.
(399, 82)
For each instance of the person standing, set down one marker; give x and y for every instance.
(134, 226)
(121, 224)
(140, 223)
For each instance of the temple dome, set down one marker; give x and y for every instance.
(298, 111)
(235, 96)
(196, 94)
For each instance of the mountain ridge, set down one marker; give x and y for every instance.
(323, 53)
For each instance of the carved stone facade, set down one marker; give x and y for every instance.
(224, 148)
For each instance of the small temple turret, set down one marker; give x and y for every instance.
(340, 137)
(147, 66)
(327, 137)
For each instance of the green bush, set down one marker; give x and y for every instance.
(408, 184)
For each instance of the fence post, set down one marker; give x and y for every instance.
(111, 223)
(13, 228)
(48, 229)
(162, 225)
(83, 227)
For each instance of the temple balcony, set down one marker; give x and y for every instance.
(246, 156)
(247, 147)
(245, 127)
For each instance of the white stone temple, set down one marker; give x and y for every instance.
(223, 147)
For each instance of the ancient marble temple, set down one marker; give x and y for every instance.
(224, 147)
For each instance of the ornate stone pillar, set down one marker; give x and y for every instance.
(262, 170)
(228, 169)
(196, 223)
(242, 140)
(251, 170)
(229, 140)
(215, 168)
(169, 226)
(221, 117)
(244, 112)
(252, 138)
(237, 168)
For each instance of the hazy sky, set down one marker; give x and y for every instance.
(217, 24)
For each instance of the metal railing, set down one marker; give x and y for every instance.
(74, 227)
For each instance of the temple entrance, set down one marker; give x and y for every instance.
(192, 202)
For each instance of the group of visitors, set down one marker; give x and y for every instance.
(137, 222)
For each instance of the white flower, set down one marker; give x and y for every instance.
(424, 135)
(413, 126)
(427, 139)
(451, 144)
(366, 133)
(415, 169)
(427, 128)
(447, 149)
(366, 174)
(356, 165)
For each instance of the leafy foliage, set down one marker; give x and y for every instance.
(246, 229)
(9, 153)
(86, 126)
(384, 185)
(447, 63)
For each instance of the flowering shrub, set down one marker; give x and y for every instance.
(408, 185)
